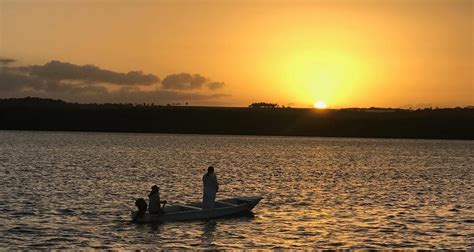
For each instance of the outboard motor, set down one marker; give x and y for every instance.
(142, 206)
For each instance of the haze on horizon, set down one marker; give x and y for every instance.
(387, 53)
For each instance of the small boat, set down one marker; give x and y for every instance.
(194, 211)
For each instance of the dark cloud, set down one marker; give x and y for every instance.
(6, 61)
(187, 81)
(183, 81)
(215, 85)
(71, 82)
(13, 81)
(57, 70)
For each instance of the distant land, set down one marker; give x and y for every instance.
(55, 115)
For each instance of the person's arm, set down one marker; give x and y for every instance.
(217, 185)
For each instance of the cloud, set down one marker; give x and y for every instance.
(17, 82)
(183, 81)
(187, 81)
(57, 70)
(215, 85)
(11, 81)
(59, 80)
(6, 61)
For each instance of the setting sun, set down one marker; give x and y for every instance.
(320, 105)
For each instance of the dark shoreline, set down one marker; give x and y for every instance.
(36, 114)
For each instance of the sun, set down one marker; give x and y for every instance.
(320, 105)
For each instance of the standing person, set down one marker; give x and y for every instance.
(210, 188)
(155, 202)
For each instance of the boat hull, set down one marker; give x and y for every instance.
(179, 212)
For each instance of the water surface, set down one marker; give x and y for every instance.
(75, 190)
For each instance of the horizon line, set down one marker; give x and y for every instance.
(178, 104)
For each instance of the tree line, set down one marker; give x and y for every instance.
(47, 114)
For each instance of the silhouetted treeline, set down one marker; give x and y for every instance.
(263, 105)
(47, 114)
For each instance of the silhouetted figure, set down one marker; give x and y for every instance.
(210, 188)
(142, 206)
(155, 202)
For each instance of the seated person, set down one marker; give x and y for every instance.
(142, 206)
(155, 202)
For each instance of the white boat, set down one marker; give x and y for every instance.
(194, 211)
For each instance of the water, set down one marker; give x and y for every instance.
(75, 190)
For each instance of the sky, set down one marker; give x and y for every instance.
(345, 53)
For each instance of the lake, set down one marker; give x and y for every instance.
(76, 190)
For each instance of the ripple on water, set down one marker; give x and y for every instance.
(76, 190)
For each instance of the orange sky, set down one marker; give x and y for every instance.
(396, 53)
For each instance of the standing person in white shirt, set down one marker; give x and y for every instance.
(210, 188)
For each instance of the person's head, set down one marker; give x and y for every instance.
(210, 169)
(155, 188)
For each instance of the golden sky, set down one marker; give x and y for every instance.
(348, 53)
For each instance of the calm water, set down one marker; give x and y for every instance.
(75, 190)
